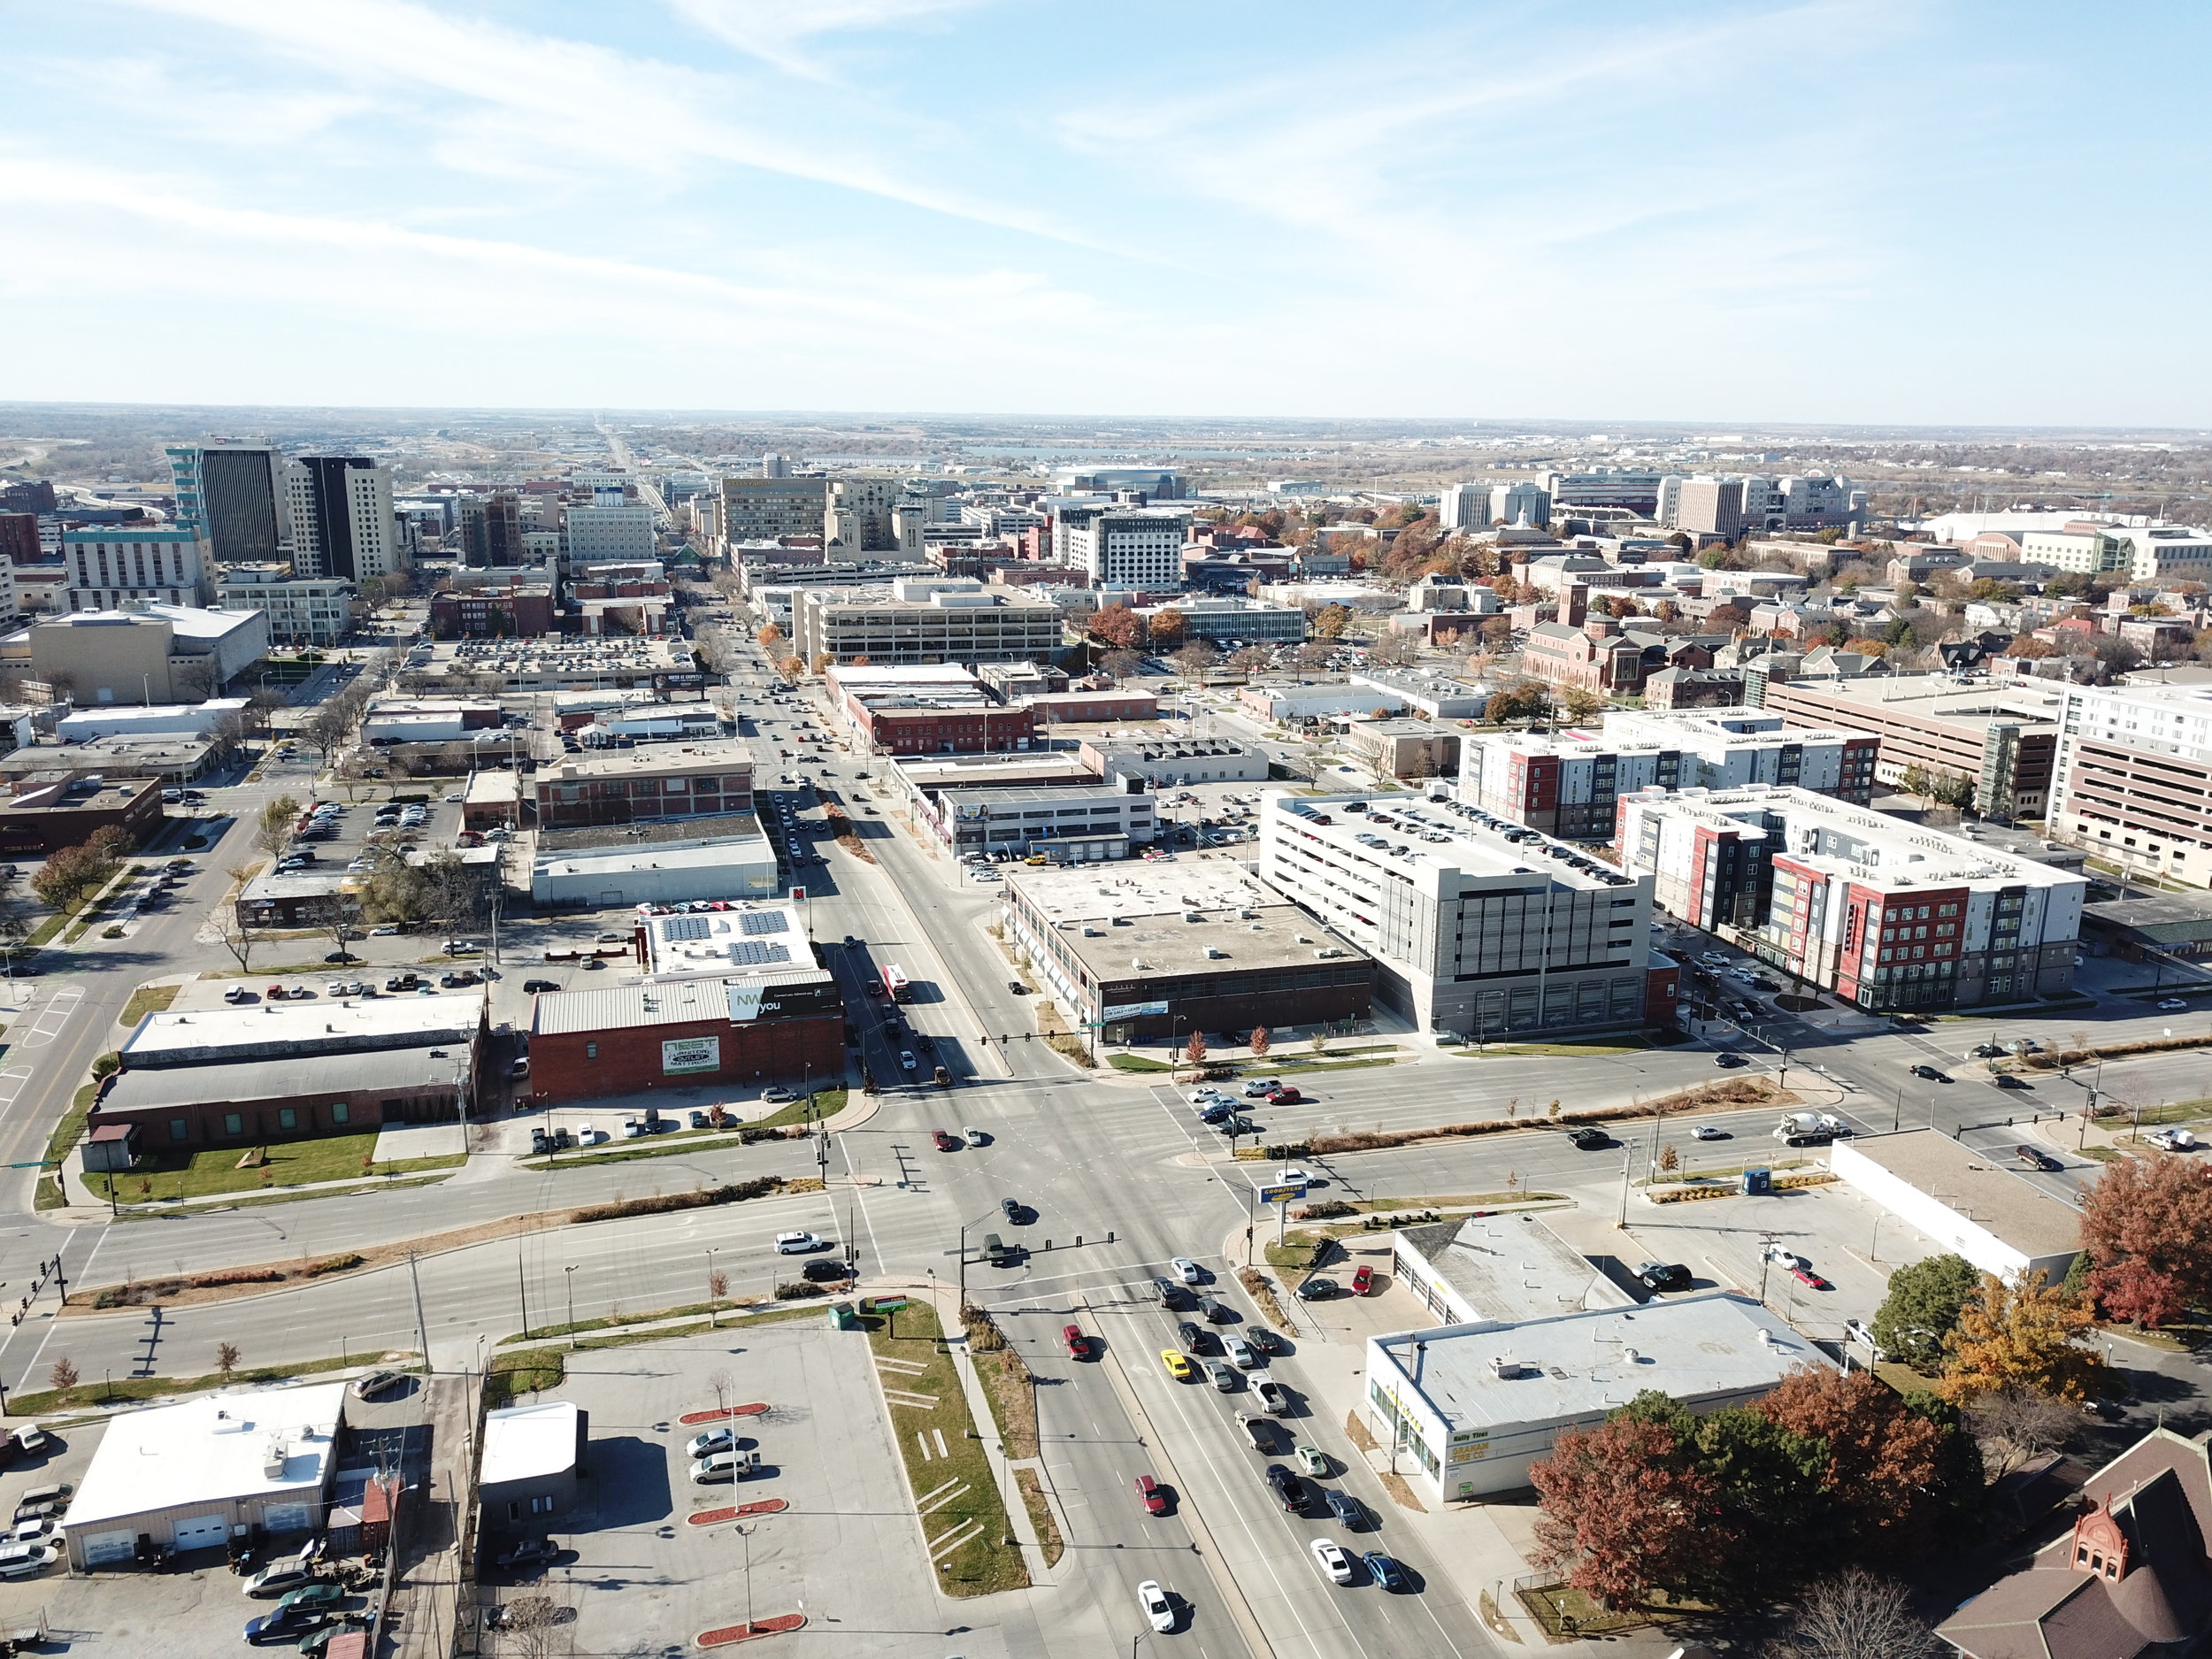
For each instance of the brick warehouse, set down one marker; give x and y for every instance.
(684, 1032)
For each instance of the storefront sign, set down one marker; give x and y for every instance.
(1133, 1011)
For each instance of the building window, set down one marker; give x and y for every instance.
(288, 1118)
(542, 1505)
(233, 1123)
(180, 1130)
(340, 1112)
(591, 1051)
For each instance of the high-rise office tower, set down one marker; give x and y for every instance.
(231, 492)
(775, 466)
(342, 523)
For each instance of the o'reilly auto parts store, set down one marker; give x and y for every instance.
(687, 1032)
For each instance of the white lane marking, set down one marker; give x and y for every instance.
(12, 1082)
(58, 1011)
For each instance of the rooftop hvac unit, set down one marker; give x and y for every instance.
(1508, 1368)
(1214, 953)
(273, 1460)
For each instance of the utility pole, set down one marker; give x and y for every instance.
(1628, 1163)
(422, 1325)
(522, 1291)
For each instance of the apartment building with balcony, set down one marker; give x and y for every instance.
(2132, 781)
(1476, 925)
(2001, 734)
(1870, 908)
(1566, 783)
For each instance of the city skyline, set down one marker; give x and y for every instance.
(1741, 213)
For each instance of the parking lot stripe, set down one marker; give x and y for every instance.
(939, 1435)
(958, 1487)
(907, 1397)
(921, 1444)
(953, 1540)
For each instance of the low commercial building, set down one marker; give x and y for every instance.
(670, 863)
(161, 653)
(531, 1457)
(519, 610)
(686, 1031)
(2162, 927)
(176, 719)
(429, 720)
(1476, 925)
(196, 1474)
(1874, 910)
(1222, 617)
(301, 610)
(608, 662)
(492, 800)
(924, 777)
(48, 813)
(2000, 736)
(118, 758)
(1290, 705)
(1121, 705)
(1070, 823)
(665, 780)
(1568, 782)
(296, 900)
(1172, 763)
(1465, 1408)
(1970, 1202)
(1405, 749)
(938, 709)
(188, 1109)
(1432, 696)
(1505, 1268)
(1151, 952)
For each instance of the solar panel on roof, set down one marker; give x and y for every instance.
(752, 952)
(684, 927)
(763, 922)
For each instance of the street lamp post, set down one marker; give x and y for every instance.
(711, 1298)
(570, 1274)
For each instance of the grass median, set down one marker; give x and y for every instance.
(286, 1163)
(964, 1519)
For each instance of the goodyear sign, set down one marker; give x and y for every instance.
(1281, 1193)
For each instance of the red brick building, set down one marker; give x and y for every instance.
(658, 781)
(736, 1033)
(925, 729)
(50, 813)
(520, 612)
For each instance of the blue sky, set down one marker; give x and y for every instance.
(1879, 210)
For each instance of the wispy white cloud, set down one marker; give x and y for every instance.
(510, 103)
(773, 30)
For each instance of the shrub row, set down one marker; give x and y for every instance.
(664, 1203)
(1321, 1211)
(334, 1265)
(1733, 1092)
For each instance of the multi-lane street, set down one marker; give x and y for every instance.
(1114, 1176)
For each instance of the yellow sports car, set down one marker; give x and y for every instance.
(1177, 1366)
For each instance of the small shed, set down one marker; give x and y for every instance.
(111, 1149)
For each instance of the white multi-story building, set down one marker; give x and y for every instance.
(1570, 783)
(610, 531)
(1476, 927)
(2129, 777)
(342, 520)
(1465, 507)
(2141, 553)
(1871, 909)
(113, 567)
(1524, 502)
(303, 610)
(1124, 547)
(925, 620)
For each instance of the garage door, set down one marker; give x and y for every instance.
(287, 1518)
(203, 1531)
(102, 1547)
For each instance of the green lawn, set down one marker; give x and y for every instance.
(291, 1163)
(97, 1391)
(956, 1488)
(147, 999)
(1555, 1050)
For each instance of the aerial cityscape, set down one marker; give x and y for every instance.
(952, 832)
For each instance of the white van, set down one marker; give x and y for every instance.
(720, 1466)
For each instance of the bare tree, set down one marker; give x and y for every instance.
(2020, 1424)
(233, 930)
(529, 1624)
(64, 1373)
(227, 1358)
(1857, 1615)
(721, 1381)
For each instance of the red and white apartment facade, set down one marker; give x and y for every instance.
(1877, 911)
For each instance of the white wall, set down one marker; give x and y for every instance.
(1937, 1220)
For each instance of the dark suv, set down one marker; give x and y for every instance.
(1663, 1276)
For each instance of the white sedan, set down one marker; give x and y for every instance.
(796, 1243)
(1333, 1560)
(1187, 1271)
(1708, 1132)
(1156, 1607)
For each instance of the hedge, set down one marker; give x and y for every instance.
(665, 1203)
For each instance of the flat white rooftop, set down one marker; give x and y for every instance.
(528, 1442)
(1403, 832)
(210, 1450)
(168, 1039)
(1573, 1365)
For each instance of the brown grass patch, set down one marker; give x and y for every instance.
(1040, 1516)
(1261, 1290)
(1735, 1092)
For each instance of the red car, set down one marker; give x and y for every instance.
(1806, 1275)
(1155, 1500)
(945, 1142)
(1287, 1095)
(1079, 1345)
(1363, 1280)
